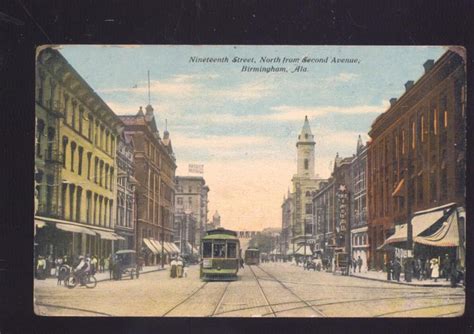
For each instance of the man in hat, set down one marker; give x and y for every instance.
(82, 268)
(41, 268)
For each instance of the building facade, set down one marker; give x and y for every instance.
(192, 198)
(155, 167)
(416, 158)
(125, 217)
(287, 216)
(331, 214)
(304, 184)
(358, 206)
(77, 193)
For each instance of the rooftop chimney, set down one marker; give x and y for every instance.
(428, 65)
(408, 85)
(393, 100)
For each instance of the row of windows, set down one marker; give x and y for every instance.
(124, 211)
(359, 240)
(75, 115)
(98, 209)
(103, 172)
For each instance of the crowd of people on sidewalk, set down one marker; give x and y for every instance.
(426, 269)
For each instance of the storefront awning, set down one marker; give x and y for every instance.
(106, 235)
(40, 223)
(301, 251)
(169, 248)
(175, 248)
(157, 246)
(74, 229)
(421, 221)
(150, 246)
(446, 236)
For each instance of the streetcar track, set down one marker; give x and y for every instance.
(333, 303)
(220, 301)
(415, 309)
(293, 293)
(74, 309)
(185, 299)
(262, 292)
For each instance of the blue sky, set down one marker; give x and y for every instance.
(243, 126)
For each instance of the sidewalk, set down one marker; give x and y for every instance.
(105, 276)
(382, 276)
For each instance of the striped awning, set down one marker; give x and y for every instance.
(150, 246)
(446, 236)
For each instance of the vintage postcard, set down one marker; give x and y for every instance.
(250, 181)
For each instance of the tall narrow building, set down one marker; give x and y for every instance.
(304, 184)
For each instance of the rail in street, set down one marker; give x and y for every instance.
(267, 290)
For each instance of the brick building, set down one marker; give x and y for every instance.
(155, 167)
(416, 157)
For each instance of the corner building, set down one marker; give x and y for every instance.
(77, 213)
(416, 158)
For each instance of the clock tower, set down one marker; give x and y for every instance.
(305, 152)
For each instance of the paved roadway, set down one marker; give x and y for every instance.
(268, 290)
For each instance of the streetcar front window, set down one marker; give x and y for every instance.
(231, 250)
(207, 249)
(219, 250)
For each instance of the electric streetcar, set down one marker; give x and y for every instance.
(220, 253)
(252, 256)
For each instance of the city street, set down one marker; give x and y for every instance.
(268, 290)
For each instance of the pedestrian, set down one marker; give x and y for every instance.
(397, 268)
(111, 266)
(94, 264)
(427, 269)
(101, 264)
(241, 261)
(453, 273)
(179, 268)
(41, 268)
(185, 270)
(359, 263)
(434, 269)
(446, 267)
(389, 270)
(173, 268)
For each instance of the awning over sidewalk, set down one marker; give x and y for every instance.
(106, 235)
(150, 246)
(446, 236)
(301, 251)
(40, 223)
(174, 247)
(421, 221)
(157, 246)
(74, 229)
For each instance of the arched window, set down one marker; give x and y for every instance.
(65, 141)
(73, 151)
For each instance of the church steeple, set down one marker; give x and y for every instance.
(305, 136)
(305, 147)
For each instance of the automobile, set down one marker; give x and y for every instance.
(126, 264)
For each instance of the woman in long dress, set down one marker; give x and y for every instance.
(435, 269)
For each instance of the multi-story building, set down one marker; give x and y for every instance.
(358, 205)
(155, 167)
(126, 182)
(287, 216)
(331, 214)
(77, 198)
(192, 198)
(416, 159)
(185, 232)
(304, 184)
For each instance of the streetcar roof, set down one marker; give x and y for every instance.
(220, 237)
(221, 230)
